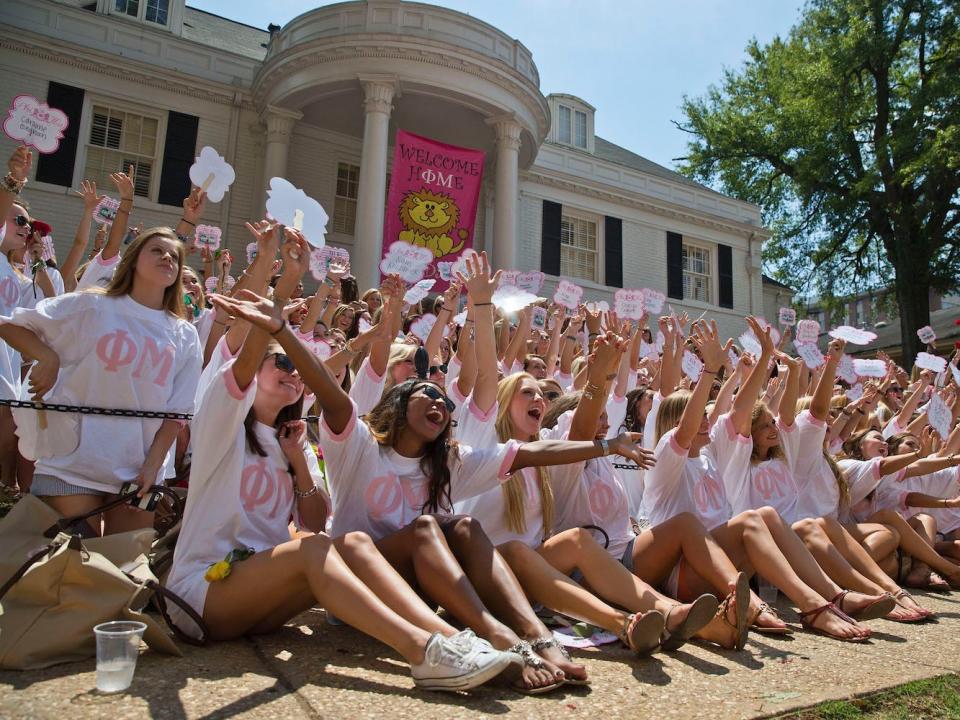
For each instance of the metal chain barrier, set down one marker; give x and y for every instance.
(85, 410)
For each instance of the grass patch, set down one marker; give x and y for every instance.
(934, 699)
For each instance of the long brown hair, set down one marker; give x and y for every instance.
(388, 420)
(288, 413)
(774, 453)
(513, 489)
(123, 276)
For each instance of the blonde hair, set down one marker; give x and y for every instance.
(398, 353)
(670, 412)
(123, 276)
(513, 489)
(774, 453)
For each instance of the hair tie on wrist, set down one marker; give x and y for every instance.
(188, 222)
(476, 305)
(283, 324)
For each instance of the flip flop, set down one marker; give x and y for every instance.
(548, 642)
(701, 613)
(741, 599)
(530, 659)
(642, 632)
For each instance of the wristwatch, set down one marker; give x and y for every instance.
(604, 447)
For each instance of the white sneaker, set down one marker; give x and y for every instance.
(458, 664)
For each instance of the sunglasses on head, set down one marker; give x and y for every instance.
(283, 362)
(434, 394)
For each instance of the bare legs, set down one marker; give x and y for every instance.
(917, 547)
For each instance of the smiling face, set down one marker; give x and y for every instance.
(527, 408)
(764, 431)
(159, 262)
(191, 285)
(427, 417)
(536, 367)
(281, 385)
(15, 234)
(345, 319)
(702, 438)
(873, 445)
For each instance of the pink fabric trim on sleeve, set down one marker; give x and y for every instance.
(371, 373)
(478, 413)
(875, 470)
(512, 450)
(786, 428)
(107, 263)
(675, 446)
(233, 388)
(454, 392)
(812, 420)
(225, 349)
(619, 399)
(351, 424)
(732, 434)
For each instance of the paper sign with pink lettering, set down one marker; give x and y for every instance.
(461, 318)
(808, 331)
(432, 201)
(510, 298)
(926, 335)
(449, 271)
(46, 248)
(691, 365)
(870, 368)
(931, 362)
(212, 173)
(210, 285)
(408, 261)
(508, 277)
(597, 306)
(788, 316)
(320, 348)
(854, 392)
(568, 295)
(35, 123)
(422, 326)
(292, 207)
(532, 282)
(853, 335)
(538, 318)
(653, 301)
(418, 292)
(939, 416)
(106, 211)
(846, 370)
(630, 304)
(251, 253)
(207, 236)
(810, 354)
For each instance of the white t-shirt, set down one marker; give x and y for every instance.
(819, 492)
(941, 484)
(891, 428)
(114, 353)
(377, 491)
(768, 483)
(237, 499)
(863, 477)
(98, 273)
(10, 299)
(204, 324)
(367, 388)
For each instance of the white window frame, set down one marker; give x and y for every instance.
(120, 104)
(577, 115)
(337, 196)
(142, 13)
(599, 266)
(560, 124)
(711, 275)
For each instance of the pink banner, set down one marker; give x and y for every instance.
(432, 202)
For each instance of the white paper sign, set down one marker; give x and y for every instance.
(853, 335)
(854, 392)
(321, 348)
(35, 123)
(749, 342)
(207, 236)
(630, 304)
(568, 295)
(210, 285)
(846, 370)
(508, 277)
(538, 318)
(408, 261)
(422, 325)
(251, 253)
(931, 362)
(450, 270)
(788, 316)
(691, 365)
(106, 211)
(291, 206)
(418, 292)
(653, 301)
(939, 416)
(461, 318)
(808, 331)
(926, 335)
(530, 281)
(810, 354)
(212, 174)
(511, 298)
(870, 368)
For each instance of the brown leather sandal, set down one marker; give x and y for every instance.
(808, 618)
(920, 613)
(642, 631)
(766, 630)
(741, 599)
(877, 609)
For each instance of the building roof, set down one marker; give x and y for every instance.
(229, 35)
(606, 150)
(942, 321)
(767, 280)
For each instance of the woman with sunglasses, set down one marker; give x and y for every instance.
(253, 471)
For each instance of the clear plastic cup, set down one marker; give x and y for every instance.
(118, 646)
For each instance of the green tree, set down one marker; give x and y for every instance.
(847, 134)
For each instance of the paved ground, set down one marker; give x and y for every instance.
(314, 670)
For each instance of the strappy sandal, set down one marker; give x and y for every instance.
(740, 597)
(766, 630)
(808, 618)
(937, 583)
(920, 614)
(642, 632)
(530, 659)
(877, 609)
(549, 642)
(701, 613)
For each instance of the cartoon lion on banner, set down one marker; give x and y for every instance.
(429, 219)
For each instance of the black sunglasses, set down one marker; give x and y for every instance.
(21, 220)
(434, 368)
(552, 395)
(434, 394)
(283, 363)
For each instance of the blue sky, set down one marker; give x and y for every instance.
(633, 60)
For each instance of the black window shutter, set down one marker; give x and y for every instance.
(57, 168)
(550, 238)
(675, 265)
(725, 269)
(179, 150)
(613, 241)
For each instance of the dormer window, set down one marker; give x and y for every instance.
(573, 127)
(151, 11)
(572, 121)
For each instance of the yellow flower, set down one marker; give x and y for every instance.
(217, 571)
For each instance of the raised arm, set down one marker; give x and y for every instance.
(518, 343)
(570, 340)
(556, 332)
(451, 297)
(820, 405)
(124, 184)
(480, 287)
(724, 399)
(750, 390)
(193, 206)
(705, 338)
(88, 191)
(912, 401)
(466, 351)
(787, 410)
(541, 453)
(608, 349)
(670, 370)
(18, 166)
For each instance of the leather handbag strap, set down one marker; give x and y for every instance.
(76, 526)
(606, 538)
(161, 594)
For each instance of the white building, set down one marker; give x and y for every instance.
(318, 101)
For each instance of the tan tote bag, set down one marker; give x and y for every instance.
(57, 585)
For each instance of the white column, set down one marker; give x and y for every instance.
(279, 122)
(378, 93)
(505, 191)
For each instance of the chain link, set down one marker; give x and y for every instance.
(85, 410)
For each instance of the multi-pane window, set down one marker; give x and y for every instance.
(119, 139)
(573, 127)
(697, 275)
(565, 124)
(578, 248)
(345, 201)
(155, 11)
(580, 138)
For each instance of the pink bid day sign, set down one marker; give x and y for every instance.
(432, 202)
